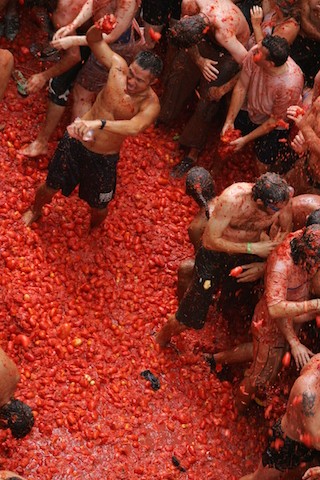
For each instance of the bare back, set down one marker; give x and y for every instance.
(301, 421)
(226, 20)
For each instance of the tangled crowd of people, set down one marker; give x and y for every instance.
(254, 66)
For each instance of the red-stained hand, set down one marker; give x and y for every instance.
(208, 69)
(295, 113)
(239, 143)
(251, 272)
(312, 474)
(301, 354)
(256, 14)
(299, 144)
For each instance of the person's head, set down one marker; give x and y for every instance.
(17, 416)
(271, 192)
(188, 31)
(313, 218)
(305, 250)
(272, 51)
(288, 8)
(143, 72)
(200, 186)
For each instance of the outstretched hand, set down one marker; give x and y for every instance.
(251, 272)
(208, 69)
(312, 474)
(301, 355)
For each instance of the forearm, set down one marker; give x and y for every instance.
(222, 245)
(94, 36)
(83, 16)
(119, 127)
(194, 54)
(293, 309)
(258, 33)
(311, 138)
(237, 100)
(70, 58)
(263, 129)
(285, 325)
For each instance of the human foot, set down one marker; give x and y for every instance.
(29, 217)
(35, 149)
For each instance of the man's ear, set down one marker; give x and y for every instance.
(154, 81)
(291, 192)
(259, 201)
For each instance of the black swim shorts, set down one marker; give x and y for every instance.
(60, 86)
(283, 453)
(72, 164)
(211, 270)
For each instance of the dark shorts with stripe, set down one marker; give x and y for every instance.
(96, 174)
(210, 273)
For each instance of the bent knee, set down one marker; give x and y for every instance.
(6, 60)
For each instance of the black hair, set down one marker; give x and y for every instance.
(19, 417)
(149, 61)
(188, 31)
(14, 478)
(200, 186)
(313, 218)
(271, 188)
(305, 249)
(289, 8)
(278, 49)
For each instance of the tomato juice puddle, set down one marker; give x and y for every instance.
(90, 304)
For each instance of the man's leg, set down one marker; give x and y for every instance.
(43, 196)
(6, 67)
(185, 274)
(171, 327)
(97, 216)
(239, 354)
(40, 145)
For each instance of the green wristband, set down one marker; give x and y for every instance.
(249, 249)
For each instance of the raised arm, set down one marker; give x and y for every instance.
(84, 15)
(101, 50)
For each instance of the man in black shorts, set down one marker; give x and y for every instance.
(88, 153)
(233, 236)
(211, 38)
(294, 443)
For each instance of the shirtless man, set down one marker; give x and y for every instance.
(305, 176)
(211, 60)
(295, 441)
(235, 233)
(14, 414)
(127, 105)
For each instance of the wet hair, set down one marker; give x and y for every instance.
(278, 49)
(200, 186)
(14, 478)
(271, 188)
(188, 31)
(289, 8)
(306, 248)
(149, 61)
(19, 417)
(313, 218)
